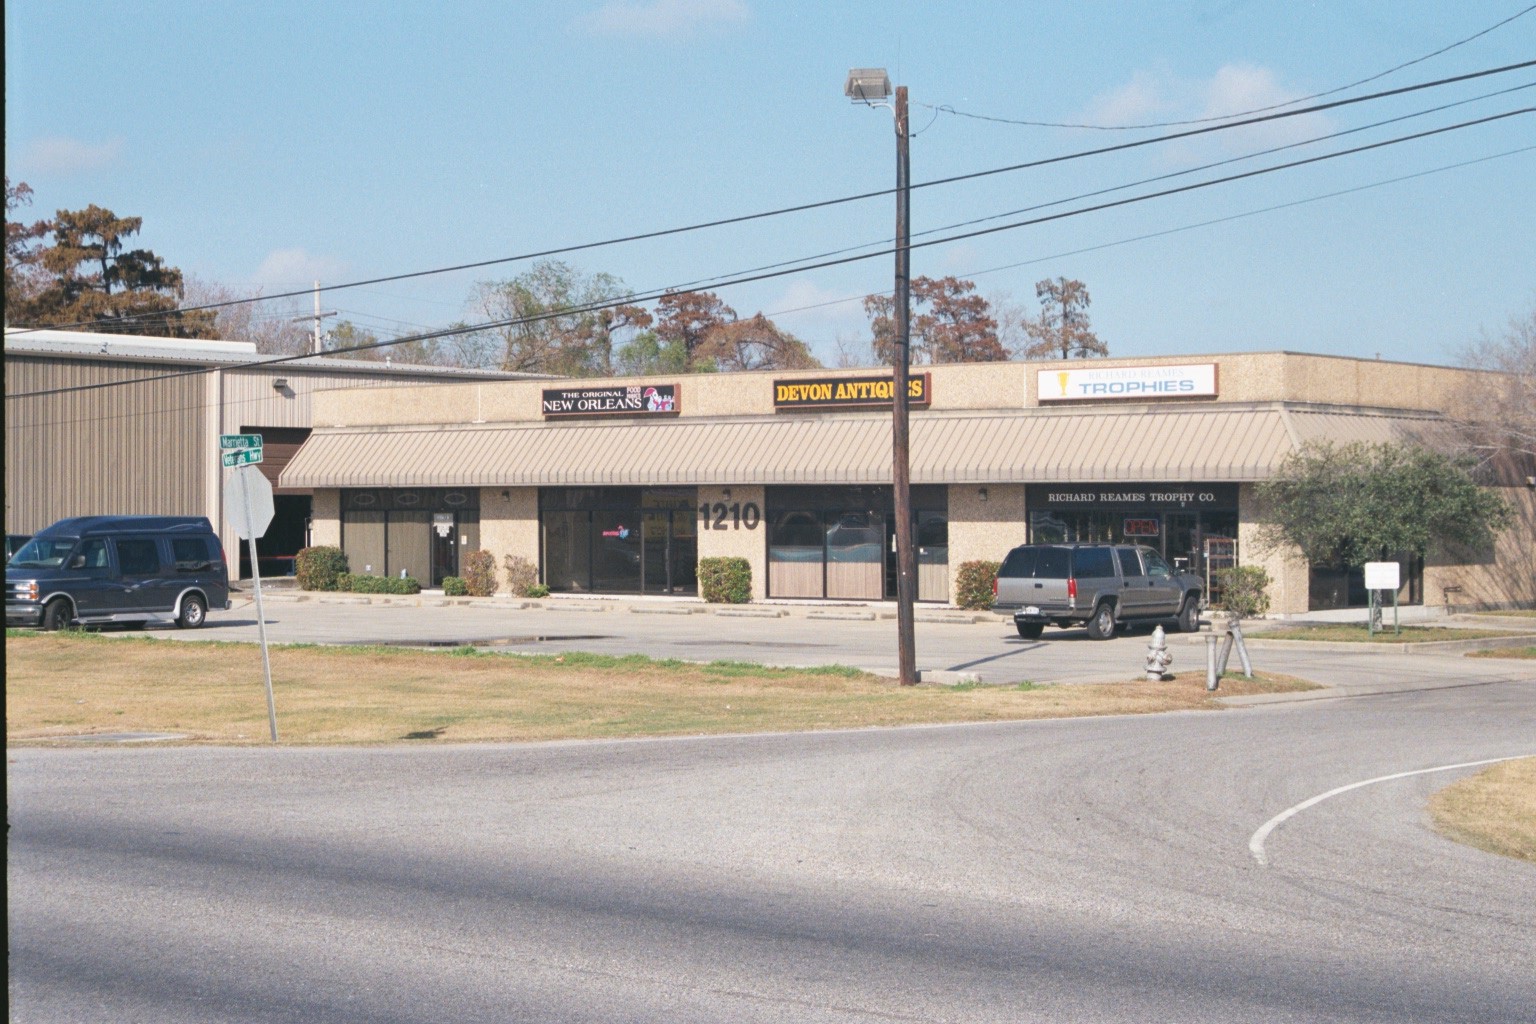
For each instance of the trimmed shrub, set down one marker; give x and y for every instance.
(538, 590)
(1244, 590)
(454, 586)
(725, 580)
(522, 576)
(358, 583)
(480, 573)
(318, 568)
(973, 584)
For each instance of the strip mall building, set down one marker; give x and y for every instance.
(621, 486)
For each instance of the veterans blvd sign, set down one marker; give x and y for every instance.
(240, 449)
(1196, 380)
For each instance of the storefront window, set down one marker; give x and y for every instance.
(837, 542)
(421, 531)
(623, 540)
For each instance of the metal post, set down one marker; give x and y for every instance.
(901, 474)
(261, 618)
(1212, 675)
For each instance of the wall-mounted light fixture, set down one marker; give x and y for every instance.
(279, 383)
(506, 495)
(725, 494)
(981, 492)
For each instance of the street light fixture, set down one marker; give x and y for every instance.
(871, 86)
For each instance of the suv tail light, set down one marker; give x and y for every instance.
(994, 588)
(1072, 591)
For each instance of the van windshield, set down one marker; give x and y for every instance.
(44, 553)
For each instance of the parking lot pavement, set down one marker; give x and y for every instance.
(951, 646)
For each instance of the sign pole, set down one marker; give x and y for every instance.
(261, 618)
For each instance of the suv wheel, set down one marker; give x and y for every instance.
(193, 612)
(1030, 630)
(1189, 615)
(56, 616)
(1102, 625)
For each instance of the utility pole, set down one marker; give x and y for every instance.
(901, 471)
(316, 345)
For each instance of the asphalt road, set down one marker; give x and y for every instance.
(948, 644)
(1083, 870)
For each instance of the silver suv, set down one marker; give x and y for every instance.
(1100, 585)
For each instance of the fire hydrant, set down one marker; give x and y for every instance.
(1159, 657)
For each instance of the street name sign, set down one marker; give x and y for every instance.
(242, 457)
(229, 441)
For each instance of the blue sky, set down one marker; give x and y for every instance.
(267, 144)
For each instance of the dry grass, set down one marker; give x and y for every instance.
(1518, 651)
(1494, 810)
(64, 685)
(1353, 633)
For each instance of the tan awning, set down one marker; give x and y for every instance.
(1212, 442)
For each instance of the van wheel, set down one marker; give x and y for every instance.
(56, 616)
(1189, 615)
(1102, 625)
(193, 612)
(1030, 630)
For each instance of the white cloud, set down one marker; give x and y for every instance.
(1158, 97)
(663, 19)
(290, 269)
(1144, 98)
(1239, 88)
(60, 155)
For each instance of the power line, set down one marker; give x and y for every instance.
(1134, 184)
(825, 203)
(947, 109)
(203, 406)
(749, 278)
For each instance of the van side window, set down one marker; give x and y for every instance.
(92, 555)
(1092, 563)
(190, 554)
(138, 557)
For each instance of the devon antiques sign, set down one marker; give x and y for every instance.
(636, 400)
(848, 392)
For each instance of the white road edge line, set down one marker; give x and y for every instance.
(1256, 843)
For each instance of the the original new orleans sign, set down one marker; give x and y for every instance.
(1196, 380)
(636, 400)
(843, 392)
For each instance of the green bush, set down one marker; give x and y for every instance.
(973, 584)
(479, 570)
(359, 583)
(1244, 590)
(454, 586)
(725, 580)
(317, 568)
(522, 576)
(538, 590)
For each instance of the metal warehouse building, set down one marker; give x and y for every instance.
(118, 424)
(621, 486)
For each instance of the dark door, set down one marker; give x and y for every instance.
(92, 581)
(445, 547)
(145, 586)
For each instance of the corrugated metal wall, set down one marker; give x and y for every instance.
(142, 448)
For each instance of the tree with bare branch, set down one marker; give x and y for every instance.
(1063, 330)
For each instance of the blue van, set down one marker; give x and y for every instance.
(93, 570)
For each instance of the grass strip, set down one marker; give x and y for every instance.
(63, 685)
(1494, 810)
(1352, 633)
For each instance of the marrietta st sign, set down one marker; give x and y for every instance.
(240, 449)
